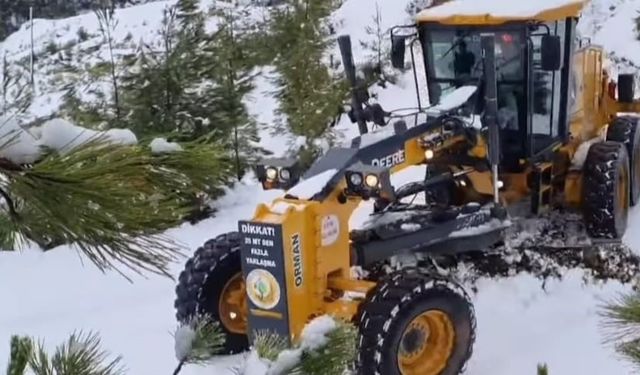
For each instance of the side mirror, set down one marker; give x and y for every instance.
(398, 50)
(551, 51)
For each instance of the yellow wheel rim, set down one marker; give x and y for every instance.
(623, 190)
(426, 344)
(232, 307)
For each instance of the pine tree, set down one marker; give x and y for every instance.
(194, 88)
(16, 93)
(108, 23)
(232, 72)
(154, 83)
(310, 97)
(166, 91)
(379, 47)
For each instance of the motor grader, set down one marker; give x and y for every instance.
(523, 119)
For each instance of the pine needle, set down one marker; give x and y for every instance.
(111, 202)
(269, 345)
(334, 358)
(21, 350)
(543, 369)
(630, 350)
(622, 317)
(622, 325)
(199, 340)
(81, 354)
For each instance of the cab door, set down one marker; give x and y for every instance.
(545, 93)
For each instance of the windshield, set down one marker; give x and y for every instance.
(454, 58)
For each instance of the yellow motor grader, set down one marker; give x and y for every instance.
(522, 114)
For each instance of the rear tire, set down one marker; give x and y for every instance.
(625, 130)
(390, 338)
(203, 282)
(606, 190)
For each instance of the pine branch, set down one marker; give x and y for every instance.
(81, 354)
(630, 350)
(198, 341)
(334, 357)
(111, 202)
(621, 317)
(621, 320)
(543, 369)
(269, 346)
(327, 347)
(21, 350)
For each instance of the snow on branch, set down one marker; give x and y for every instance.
(327, 346)
(101, 192)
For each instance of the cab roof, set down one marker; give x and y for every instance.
(495, 12)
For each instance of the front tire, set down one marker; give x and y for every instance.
(625, 130)
(605, 188)
(212, 284)
(415, 324)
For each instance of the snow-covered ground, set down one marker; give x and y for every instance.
(519, 325)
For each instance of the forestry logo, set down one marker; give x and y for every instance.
(329, 230)
(263, 289)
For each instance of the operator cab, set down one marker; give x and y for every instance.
(530, 99)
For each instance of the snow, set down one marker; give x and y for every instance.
(410, 227)
(492, 225)
(495, 8)
(263, 106)
(184, 337)
(519, 323)
(255, 365)
(25, 147)
(454, 99)
(313, 337)
(306, 189)
(582, 152)
(161, 146)
(375, 137)
(63, 136)
(314, 334)
(16, 144)
(281, 208)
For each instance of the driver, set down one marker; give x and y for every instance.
(463, 62)
(507, 108)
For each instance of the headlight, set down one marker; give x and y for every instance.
(368, 181)
(372, 181)
(355, 179)
(428, 154)
(285, 174)
(278, 173)
(272, 173)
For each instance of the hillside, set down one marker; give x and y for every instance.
(51, 294)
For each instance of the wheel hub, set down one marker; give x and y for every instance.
(414, 340)
(426, 344)
(233, 306)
